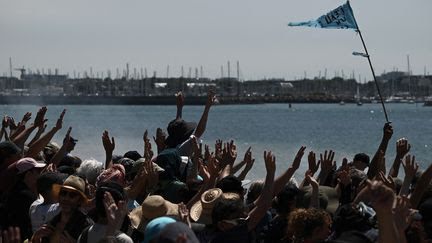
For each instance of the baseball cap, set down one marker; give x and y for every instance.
(26, 164)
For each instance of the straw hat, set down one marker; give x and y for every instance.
(153, 207)
(201, 211)
(73, 183)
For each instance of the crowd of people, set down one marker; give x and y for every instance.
(181, 190)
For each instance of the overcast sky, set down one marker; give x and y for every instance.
(106, 34)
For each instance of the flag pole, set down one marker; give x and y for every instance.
(371, 67)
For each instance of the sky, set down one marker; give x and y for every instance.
(153, 34)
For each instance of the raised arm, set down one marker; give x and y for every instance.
(314, 202)
(109, 146)
(327, 165)
(55, 160)
(402, 148)
(200, 129)
(410, 168)
(180, 104)
(374, 165)
(421, 187)
(249, 161)
(264, 200)
(44, 140)
(284, 178)
(21, 138)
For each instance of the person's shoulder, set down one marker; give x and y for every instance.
(122, 237)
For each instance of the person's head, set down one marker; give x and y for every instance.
(254, 191)
(45, 184)
(352, 217)
(231, 184)
(90, 169)
(116, 191)
(228, 212)
(71, 194)
(179, 131)
(154, 228)
(285, 200)
(361, 161)
(50, 150)
(133, 155)
(310, 224)
(71, 161)
(115, 173)
(29, 170)
(9, 152)
(171, 232)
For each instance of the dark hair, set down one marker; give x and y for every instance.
(231, 184)
(8, 149)
(117, 192)
(227, 208)
(347, 217)
(363, 158)
(302, 222)
(133, 155)
(46, 180)
(285, 198)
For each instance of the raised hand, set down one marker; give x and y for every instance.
(229, 153)
(211, 98)
(381, 196)
(5, 121)
(40, 117)
(410, 166)
(114, 213)
(402, 147)
(26, 117)
(213, 167)
(270, 162)
(206, 153)
(109, 145)
(248, 159)
(148, 152)
(401, 213)
(160, 139)
(313, 165)
(311, 180)
(387, 131)
(296, 162)
(183, 214)
(179, 99)
(389, 182)
(59, 122)
(327, 163)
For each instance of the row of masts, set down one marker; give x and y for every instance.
(142, 73)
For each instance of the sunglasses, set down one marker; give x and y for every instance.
(69, 194)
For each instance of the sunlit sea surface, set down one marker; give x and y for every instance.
(347, 129)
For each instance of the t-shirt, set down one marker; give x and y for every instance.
(41, 213)
(97, 232)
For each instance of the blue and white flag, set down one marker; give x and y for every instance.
(340, 18)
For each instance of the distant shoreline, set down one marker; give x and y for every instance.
(159, 100)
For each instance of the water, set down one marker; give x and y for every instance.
(346, 129)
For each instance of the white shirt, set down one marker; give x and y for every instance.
(41, 213)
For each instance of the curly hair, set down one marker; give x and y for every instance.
(302, 222)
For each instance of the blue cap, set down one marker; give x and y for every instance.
(155, 226)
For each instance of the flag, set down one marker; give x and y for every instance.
(340, 18)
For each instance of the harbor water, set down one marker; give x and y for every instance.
(347, 129)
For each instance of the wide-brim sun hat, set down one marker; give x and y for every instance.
(201, 211)
(153, 207)
(75, 184)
